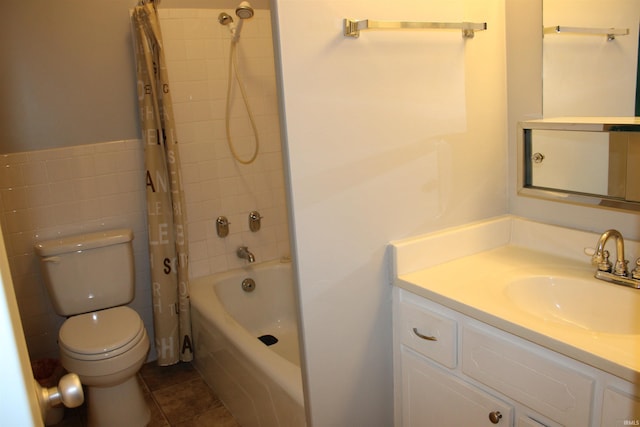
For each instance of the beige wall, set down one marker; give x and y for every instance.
(67, 74)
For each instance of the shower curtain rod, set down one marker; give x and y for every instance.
(353, 27)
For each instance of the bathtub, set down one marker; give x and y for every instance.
(260, 384)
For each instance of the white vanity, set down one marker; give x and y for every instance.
(502, 323)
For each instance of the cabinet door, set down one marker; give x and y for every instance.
(540, 380)
(524, 421)
(434, 397)
(620, 409)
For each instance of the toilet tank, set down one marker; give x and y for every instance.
(88, 272)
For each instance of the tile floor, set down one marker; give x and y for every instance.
(177, 396)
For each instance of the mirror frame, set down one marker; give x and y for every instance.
(593, 124)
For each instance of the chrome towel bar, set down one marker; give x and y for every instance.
(611, 33)
(353, 27)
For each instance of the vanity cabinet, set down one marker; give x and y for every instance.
(452, 370)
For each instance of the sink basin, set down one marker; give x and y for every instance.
(582, 302)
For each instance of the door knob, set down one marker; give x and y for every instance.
(68, 392)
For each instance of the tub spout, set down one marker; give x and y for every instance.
(243, 252)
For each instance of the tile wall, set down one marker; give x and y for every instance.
(197, 50)
(71, 190)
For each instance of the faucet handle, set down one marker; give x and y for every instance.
(597, 256)
(621, 268)
(602, 261)
(635, 273)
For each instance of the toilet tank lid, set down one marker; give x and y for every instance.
(83, 242)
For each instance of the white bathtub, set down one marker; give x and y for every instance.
(261, 385)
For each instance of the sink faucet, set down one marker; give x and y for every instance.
(620, 275)
(243, 252)
(601, 257)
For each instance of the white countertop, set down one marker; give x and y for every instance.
(471, 285)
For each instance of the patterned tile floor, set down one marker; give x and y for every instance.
(177, 396)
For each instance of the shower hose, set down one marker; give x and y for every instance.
(233, 69)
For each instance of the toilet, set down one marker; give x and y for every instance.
(90, 278)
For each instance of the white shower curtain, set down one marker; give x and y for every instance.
(165, 198)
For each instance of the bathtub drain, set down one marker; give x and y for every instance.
(268, 339)
(248, 285)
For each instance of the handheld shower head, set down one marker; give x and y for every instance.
(244, 10)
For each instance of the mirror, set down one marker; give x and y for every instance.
(590, 57)
(584, 161)
(586, 147)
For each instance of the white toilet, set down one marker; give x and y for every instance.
(89, 278)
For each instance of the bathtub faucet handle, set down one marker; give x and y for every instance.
(222, 226)
(255, 220)
(244, 253)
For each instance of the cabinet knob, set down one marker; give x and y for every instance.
(495, 417)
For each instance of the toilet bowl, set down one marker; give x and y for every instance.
(106, 349)
(90, 279)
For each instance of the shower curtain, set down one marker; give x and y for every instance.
(165, 198)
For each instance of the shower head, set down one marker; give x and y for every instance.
(244, 10)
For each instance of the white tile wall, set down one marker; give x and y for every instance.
(77, 189)
(197, 50)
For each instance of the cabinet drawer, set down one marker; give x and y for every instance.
(429, 333)
(528, 375)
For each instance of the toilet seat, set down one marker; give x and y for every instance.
(102, 334)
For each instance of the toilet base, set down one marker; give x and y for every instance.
(121, 405)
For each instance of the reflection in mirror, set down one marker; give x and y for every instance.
(585, 162)
(585, 72)
(568, 160)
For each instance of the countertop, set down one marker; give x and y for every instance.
(475, 285)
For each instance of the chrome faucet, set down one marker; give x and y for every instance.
(601, 257)
(243, 252)
(619, 273)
